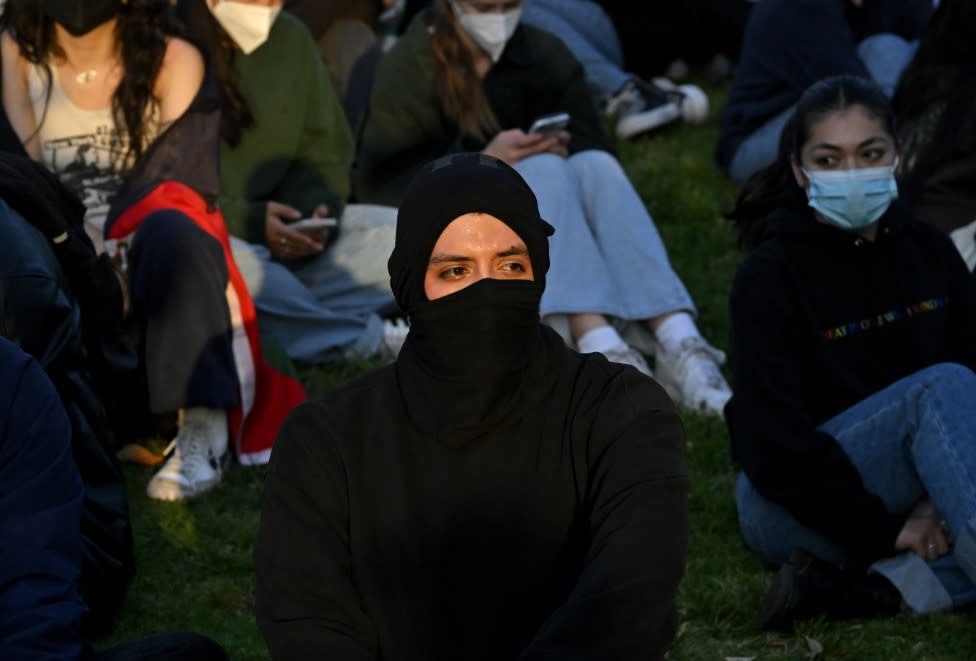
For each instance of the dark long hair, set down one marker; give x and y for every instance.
(459, 88)
(204, 30)
(936, 97)
(141, 33)
(775, 187)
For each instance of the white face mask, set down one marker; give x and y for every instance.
(490, 31)
(248, 25)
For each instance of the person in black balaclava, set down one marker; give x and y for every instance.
(492, 494)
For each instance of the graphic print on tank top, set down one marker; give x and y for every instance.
(87, 164)
(82, 147)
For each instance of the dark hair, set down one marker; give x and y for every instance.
(141, 33)
(459, 88)
(235, 111)
(936, 97)
(775, 187)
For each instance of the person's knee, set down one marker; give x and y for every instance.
(878, 45)
(885, 56)
(171, 236)
(549, 173)
(952, 375)
(596, 165)
(546, 162)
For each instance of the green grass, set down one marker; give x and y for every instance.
(195, 569)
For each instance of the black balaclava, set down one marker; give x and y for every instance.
(477, 357)
(80, 17)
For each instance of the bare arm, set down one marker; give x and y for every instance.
(16, 97)
(178, 81)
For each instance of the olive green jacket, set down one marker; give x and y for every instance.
(299, 151)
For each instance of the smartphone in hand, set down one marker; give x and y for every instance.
(313, 226)
(549, 126)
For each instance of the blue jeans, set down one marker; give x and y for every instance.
(884, 55)
(607, 256)
(588, 33)
(324, 308)
(916, 437)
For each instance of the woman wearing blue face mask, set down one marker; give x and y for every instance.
(852, 336)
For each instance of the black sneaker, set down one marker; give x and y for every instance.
(641, 107)
(807, 587)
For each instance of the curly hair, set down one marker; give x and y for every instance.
(141, 32)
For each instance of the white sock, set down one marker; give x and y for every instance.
(674, 330)
(599, 340)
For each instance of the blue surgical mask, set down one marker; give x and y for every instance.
(852, 199)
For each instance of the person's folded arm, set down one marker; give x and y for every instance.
(787, 459)
(307, 606)
(623, 604)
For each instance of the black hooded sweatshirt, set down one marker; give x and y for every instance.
(821, 319)
(480, 498)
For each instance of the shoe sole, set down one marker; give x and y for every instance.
(702, 407)
(171, 492)
(642, 122)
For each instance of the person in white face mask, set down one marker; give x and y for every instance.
(489, 25)
(286, 151)
(469, 75)
(247, 22)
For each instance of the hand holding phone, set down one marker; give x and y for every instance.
(549, 126)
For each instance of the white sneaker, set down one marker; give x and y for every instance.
(692, 377)
(624, 354)
(394, 335)
(195, 466)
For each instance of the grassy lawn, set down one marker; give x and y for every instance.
(195, 567)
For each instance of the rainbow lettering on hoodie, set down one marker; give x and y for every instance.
(883, 319)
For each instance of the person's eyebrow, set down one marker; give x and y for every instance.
(873, 139)
(513, 251)
(825, 145)
(441, 258)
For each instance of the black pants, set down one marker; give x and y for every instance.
(178, 281)
(177, 646)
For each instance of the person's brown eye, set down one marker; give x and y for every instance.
(453, 273)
